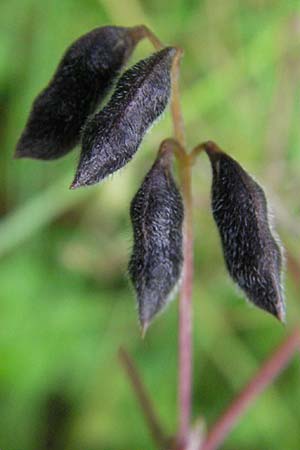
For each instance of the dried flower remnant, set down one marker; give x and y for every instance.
(111, 138)
(252, 253)
(157, 216)
(81, 81)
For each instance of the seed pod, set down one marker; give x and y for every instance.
(251, 251)
(156, 215)
(111, 137)
(81, 81)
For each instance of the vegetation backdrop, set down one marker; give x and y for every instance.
(65, 303)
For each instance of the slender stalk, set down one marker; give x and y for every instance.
(185, 311)
(185, 301)
(177, 117)
(158, 435)
(196, 151)
(270, 369)
(142, 31)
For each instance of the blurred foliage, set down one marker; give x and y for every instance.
(64, 297)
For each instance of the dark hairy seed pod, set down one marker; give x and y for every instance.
(156, 214)
(252, 253)
(111, 137)
(81, 81)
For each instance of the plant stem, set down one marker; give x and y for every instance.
(142, 31)
(185, 301)
(185, 311)
(177, 117)
(185, 306)
(151, 419)
(270, 369)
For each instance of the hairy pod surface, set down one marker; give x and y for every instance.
(81, 81)
(157, 215)
(252, 253)
(111, 138)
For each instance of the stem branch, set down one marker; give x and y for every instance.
(270, 369)
(151, 419)
(141, 31)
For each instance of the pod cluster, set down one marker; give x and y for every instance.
(65, 114)
(84, 76)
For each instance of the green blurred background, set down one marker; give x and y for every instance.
(65, 304)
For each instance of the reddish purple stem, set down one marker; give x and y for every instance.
(185, 314)
(270, 369)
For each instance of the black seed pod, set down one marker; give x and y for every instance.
(252, 253)
(156, 215)
(111, 137)
(81, 81)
